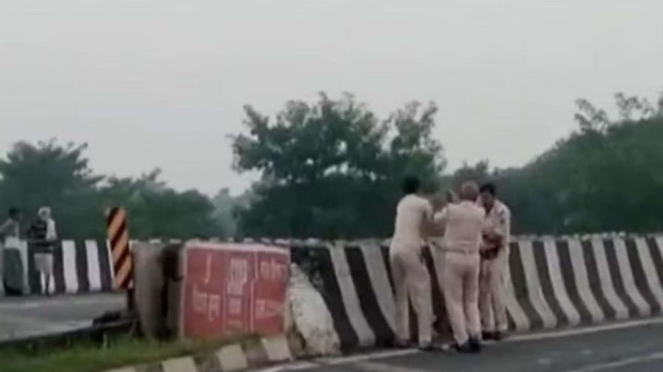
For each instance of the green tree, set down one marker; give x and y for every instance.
(59, 176)
(51, 174)
(331, 169)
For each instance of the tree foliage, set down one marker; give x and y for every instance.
(59, 176)
(331, 168)
(605, 177)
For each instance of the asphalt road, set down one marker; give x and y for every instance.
(633, 349)
(31, 316)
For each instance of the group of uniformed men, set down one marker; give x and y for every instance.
(474, 257)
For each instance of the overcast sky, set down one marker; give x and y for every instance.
(161, 83)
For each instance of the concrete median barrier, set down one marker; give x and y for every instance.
(551, 283)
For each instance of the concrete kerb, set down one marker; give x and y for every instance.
(234, 357)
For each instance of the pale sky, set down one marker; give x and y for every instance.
(162, 83)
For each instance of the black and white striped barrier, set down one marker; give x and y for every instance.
(78, 267)
(550, 283)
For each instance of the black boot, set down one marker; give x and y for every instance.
(475, 345)
(464, 348)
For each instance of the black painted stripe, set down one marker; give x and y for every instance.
(368, 301)
(384, 250)
(511, 323)
(34, 277)
(595, 280)
(111, 215)
(58, 268)
(437, 298)
(104, 266)
(517, 272)
(541, 263)
(566, 267)
(413, 321)
(81, 267)
(318, 260)
(617, 281)
(124, 256)
(115, 239)
(656, 257)
(639, 276)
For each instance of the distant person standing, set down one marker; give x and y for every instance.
(9, 229)
(494, 263)
(462, 224)
(413, 215)
(43, 234)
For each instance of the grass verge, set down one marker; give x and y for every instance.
(116, 353)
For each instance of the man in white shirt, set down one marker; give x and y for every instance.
(463, 223)
(494, 263)
(407, 265)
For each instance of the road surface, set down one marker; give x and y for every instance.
(633, 347)
(31, 316)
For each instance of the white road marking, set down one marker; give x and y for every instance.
(37, 302)
(326, 361)
(583, 331)
(381, 367)
(365, 357)
(621, 363)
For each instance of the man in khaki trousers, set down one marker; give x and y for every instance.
(409, 272)
(463, 223)
(494, 263)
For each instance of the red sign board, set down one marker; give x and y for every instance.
(231, 289)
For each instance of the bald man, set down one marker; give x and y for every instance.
(410, 275)
(463, 223)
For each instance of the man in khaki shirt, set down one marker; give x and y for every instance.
(410, 275)
(494, 263)
(463, 223)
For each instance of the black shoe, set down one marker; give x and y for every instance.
(428, 348)
(401, 344)
(498, 336)
(475, 345)
(487, 336)
(464, 348)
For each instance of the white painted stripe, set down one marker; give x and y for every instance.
(128, 369)
(110, 262)
(649, 269)
(277, 348)
(93, 271)
(185, 364)
(552, 258)
(377, 273)
(607, 286)
(69, 266)
(627, 277)
(350, 298)
(513, 306)
(534, 285)
(621, 363)
(581, 279)
(232, 358)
